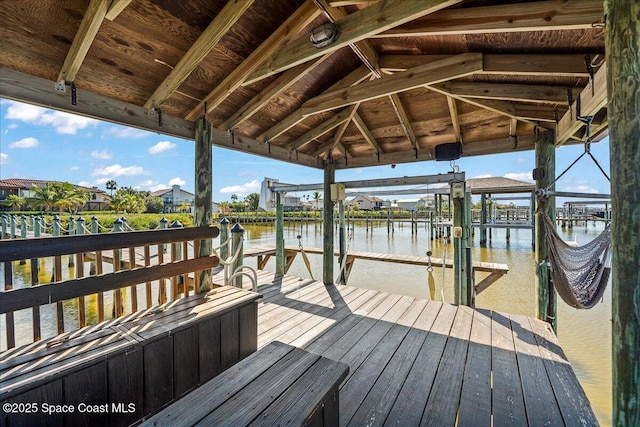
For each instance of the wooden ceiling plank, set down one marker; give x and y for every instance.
(446, 69)
(282, 83)
(514, 92)
(115, 8)
(357, 26)
(319, 130)
(83, 39)
(455, 119)
(520, 17)
(281, 36)
(404, 120)
(220, 25)
(565, 65)
(353, 78)
(591, 101)
(500, 107)
(366, 133)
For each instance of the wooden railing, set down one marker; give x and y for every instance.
(162, 262)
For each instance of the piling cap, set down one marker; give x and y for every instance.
(164, 220)
(224, 221)
(176, 224)
(237, 228)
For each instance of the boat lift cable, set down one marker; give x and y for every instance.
(431, 281)
(305, 258)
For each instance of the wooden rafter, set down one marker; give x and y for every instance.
(338, 135)
(115, 8)
(455, 119)
(366, 133)
(519, 17)
(569, 65)
(591, 101)
(439, 71)
(220, 25)
(340, 3)
(404, 120)
(85, 35)
(320, 130)
(357, 26)
(296, 117)
(284, 81)
(514, 92)
(282, 36)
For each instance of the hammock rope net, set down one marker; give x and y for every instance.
(579, 274)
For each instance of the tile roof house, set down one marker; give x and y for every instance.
(22, 187)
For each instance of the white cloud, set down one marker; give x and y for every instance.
(4, 159)
(117, 170)
(124, 133)
(520, 176)
(161, 147)
(64, 123)
(100, 181)
(486, 175)
(247, 173)
(147, 183)
(242, 189)
(85, 184)
(25, 143)
(521, 160)
(177, 181)
(157, 187)
(103, 155)
(12, 126)
(580, 189)
(74, 168)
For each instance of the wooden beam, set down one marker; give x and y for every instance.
(357, 26)
(319, 130)
(458, 66)
(296, 117)
(338, 135)
(520, 17)
(220, 25)
(87, 31)
(280, 37)
(514, 92)
(366, 133)
(455, 119)
(284, 81)
(340, 3)
(591, 101)
(404, 120)
(569, 65)
(35, 90)
(115, 8)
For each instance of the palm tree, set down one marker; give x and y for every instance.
(15, 201)
(111, 185)
(234, 198)
(184, 207)
(44, 196)
(252, 200)
(316, 197)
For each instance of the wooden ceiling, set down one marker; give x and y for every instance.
(403, 76)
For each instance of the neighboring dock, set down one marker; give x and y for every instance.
(416, 361)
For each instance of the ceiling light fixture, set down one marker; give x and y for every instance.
(324, 35)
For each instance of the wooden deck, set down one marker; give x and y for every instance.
(419, 362)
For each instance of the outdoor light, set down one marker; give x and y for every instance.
(324, 35)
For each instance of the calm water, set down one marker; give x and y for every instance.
(585, 335)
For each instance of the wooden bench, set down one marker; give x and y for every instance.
(278, 385)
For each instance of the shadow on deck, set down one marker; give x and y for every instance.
(414, 361)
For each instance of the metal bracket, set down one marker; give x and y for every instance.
(61, 86)
(74, 94)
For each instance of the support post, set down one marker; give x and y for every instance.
(460, 243)
(203, 212)
(483, 219)
(342, 243)
(327, 219)
(280, 258)
(237, 237)
(224, 236)
(469, 297)
(532, 219)
(622, 46)
(547, 299)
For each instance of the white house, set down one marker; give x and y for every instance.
(174, 197)
(367, 202)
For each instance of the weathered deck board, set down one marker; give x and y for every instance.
(416, 362)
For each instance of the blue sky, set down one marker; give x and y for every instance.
(37, 143)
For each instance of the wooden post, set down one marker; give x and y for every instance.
(546, 160)
(623, 88)
(237, 237)
(23, 226)
(224, 236)
(483, 219)
(532, 219)
(342, 242)
(327, 229)
(94, 225)
(5, 221)
(280, 257)
(12, 226)
(459, 247)
(203, 212)
(469, 296)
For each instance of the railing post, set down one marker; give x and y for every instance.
(80, 226)
(125, 224)
(224, 236)
(94, 225)
(237, 233)
(36, 227)
(23, 226)
(56, 225)
(4, 226)
(280, 253)
(117, 225)
(12, 226)
(71, 227)
(178, 246)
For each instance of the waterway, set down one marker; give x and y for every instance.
(585, 335)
